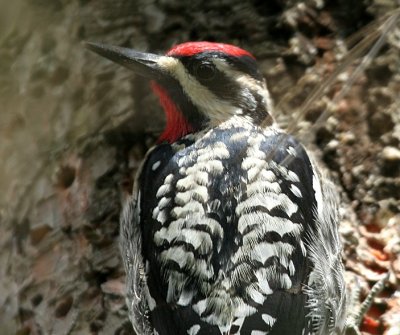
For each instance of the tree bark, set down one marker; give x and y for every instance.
(74, 127)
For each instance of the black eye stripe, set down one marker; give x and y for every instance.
(245, 64)
(222, 84)
(205, 71)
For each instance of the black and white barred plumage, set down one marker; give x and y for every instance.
(231, 228)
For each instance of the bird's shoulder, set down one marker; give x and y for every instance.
(231, 144)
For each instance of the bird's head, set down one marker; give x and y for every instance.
(200, 84)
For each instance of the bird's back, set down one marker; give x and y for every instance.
(224, 219)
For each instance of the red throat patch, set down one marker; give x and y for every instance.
(177, 125)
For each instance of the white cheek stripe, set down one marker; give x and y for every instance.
(217, 109)
(244, 79)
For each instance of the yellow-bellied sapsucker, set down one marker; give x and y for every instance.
(231, 228)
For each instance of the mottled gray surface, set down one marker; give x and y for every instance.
(73, 128)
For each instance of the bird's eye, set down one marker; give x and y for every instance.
(205, 71)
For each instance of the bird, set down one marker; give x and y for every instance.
(232, 226)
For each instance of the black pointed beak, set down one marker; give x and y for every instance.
(144, 64)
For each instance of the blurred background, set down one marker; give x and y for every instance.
(74, 127)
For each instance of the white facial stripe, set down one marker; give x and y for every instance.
(216, 108)
(168, 64)
(244, 80)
